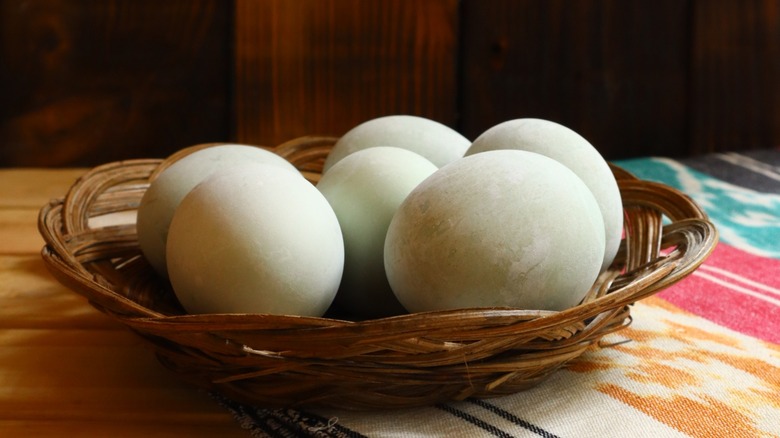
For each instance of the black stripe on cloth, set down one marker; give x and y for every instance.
(285, 423)
(260, 421)
(756, 170)
(474, 420)
(254, 420)
(513, 418)
(333, 425)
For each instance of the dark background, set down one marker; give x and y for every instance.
(85, 82)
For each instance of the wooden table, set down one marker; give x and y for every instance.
(65, 368)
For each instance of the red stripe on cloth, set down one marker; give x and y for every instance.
(734, 289)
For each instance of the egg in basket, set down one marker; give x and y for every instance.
(267, 282)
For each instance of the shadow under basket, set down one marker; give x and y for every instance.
(403, 361)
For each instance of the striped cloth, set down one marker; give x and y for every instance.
(701, 359)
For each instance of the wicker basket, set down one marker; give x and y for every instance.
(403, 361)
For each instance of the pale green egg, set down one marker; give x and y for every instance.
(503, 228)
(164, 194)
(255, 238)
(435, 141)
(365, 189)
(575, 152)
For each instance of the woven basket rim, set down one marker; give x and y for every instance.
(657, 217)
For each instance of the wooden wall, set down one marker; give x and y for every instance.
(82, 83)
(321, 67)
(89, 82)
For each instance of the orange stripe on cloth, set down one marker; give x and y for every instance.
(707, 418)
(689, 373)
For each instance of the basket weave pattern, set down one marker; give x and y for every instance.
(409, 360)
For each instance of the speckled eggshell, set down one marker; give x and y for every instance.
(575, 152)
(365, 189)
(166, 192)
(435, 141)
(501, 228)
(255, 239)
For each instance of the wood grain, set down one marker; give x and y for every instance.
(735, 71)
(321, 67)
(85, 84)
(612, 70)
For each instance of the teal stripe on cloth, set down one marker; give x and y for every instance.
(745, 218)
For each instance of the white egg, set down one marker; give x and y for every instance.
(365, 189)
(166, 192)
(435, 141)
(575, 152)
(255, 239)
(500, 228)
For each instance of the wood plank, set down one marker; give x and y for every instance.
(64, 364)
(111, 428)
(613, 70)
(32, 298)
(735, 69)
(124, 406)
(33, 187)
(19, 231)
(127, 367)
(87, 83)
(321, 67)
(24, 192)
